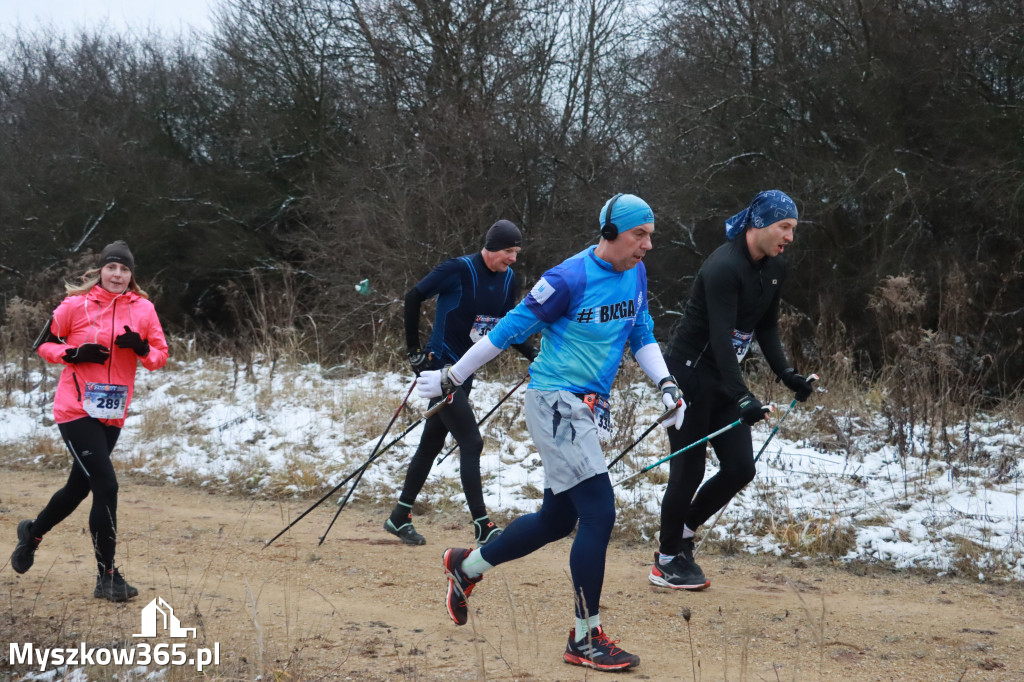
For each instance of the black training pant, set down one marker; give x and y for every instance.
(459, 420)
(90, 442)
(708, 408)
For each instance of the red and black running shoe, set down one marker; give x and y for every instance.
(459, 585)
(598, 651)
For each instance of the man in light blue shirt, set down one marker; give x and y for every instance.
(586, 309)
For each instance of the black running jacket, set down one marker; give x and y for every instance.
(734, 299)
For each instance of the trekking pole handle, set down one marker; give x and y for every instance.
(446, 400)
(666, 414)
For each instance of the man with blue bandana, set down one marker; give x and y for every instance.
(735, 299)
(586, 309)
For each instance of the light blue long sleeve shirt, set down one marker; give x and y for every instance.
(586, 312)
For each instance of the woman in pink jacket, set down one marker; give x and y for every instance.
(100, 332)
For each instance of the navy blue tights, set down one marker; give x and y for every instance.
(592, 503)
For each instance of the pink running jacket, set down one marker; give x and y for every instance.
(99, 316)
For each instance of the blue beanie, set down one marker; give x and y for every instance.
(766, 208)
(630, 211)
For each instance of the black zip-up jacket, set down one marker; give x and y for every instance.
(732, 293)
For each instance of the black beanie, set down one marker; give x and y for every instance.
(502, 235)
(117, 252)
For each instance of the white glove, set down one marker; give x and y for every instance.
(673, 399)
(428, 385)
(434, 383)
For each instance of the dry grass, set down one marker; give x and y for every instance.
(831, 537)
(46, 451)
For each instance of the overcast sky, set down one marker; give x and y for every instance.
(166, 16)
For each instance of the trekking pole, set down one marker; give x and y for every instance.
(429, 413)
(484, 418)
(349, 477)
(705, 439)
(792, 404)
(664, 415)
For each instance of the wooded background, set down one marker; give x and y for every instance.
(260, 171)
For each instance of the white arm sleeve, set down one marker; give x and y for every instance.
(652, 362)
(482, 352)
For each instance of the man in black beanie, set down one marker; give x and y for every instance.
(473, 292)
(504, 235)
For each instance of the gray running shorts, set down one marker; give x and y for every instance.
(564, 432)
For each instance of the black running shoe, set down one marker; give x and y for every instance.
(406, 533)
(486, 531)
(598, 651)
(679, 574)
(110, 585)
(24, 553)
(459, 584)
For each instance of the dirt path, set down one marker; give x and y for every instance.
(363, 607)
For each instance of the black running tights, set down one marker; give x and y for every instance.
(457, 419)
(708, 409)
(90, 443)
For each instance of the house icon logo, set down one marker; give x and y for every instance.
(158, 611)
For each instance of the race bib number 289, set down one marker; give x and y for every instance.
(105, 401)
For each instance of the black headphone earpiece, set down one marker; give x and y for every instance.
(609, 231)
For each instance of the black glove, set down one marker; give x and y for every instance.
(87, 352)
(419, 360)
(531, 352)
(131, 339)
(798, 384)
(751, 410)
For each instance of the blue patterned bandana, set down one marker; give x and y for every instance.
(766, 208)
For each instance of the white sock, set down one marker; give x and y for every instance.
(585, 625)
(687, 533)
(475, 565)
(664, 559)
